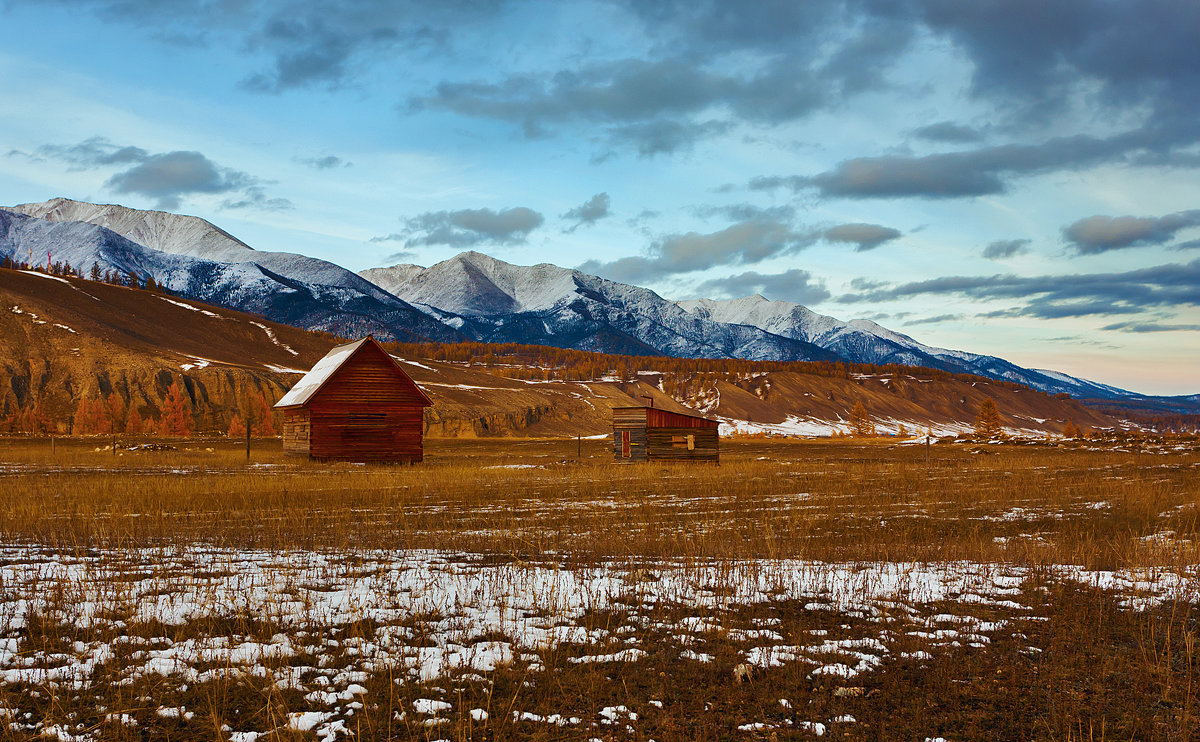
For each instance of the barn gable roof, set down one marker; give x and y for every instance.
(326, 368)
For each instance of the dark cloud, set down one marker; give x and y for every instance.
(746, 242)
(1151, 327)
(795, 285)
(589, 212)
(1099, 233)
(1002, 249)
(1053, 296)
(325, 162)
(1031, 55)
(948, 131)
(467, 227)
(862, 236)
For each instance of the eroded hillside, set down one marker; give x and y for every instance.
(63, 339)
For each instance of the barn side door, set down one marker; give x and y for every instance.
(625, 444)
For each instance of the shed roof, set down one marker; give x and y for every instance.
(324, 370)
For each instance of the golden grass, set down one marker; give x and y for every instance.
(1099, 505)
(1062, 660)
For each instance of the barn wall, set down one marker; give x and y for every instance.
(367, 433)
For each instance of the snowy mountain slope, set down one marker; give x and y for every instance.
(247, 286)
(189, 235)
(495, 301)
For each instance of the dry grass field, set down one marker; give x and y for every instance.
(532, 589)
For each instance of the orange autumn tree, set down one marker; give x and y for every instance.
(263, 417)
(177, 417)
(134, 424)
(237, 427)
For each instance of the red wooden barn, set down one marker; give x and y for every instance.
(356, 404)
(649, 434)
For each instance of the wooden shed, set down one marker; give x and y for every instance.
(649, 434)
(356, 404)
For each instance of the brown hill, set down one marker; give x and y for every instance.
(62, 339)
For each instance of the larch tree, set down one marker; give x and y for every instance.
(177, 417)
(987, 422)
(134, 424)
(860, 422)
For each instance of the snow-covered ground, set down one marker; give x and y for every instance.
(430, 617)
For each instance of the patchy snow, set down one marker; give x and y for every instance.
(271, 336)
(190, 307)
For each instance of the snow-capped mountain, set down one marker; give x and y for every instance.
(495, 301)
(491, 300)
(190, 235)
(864, 341)
(339, 306)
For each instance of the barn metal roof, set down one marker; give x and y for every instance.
(319, 374)
(316, 377)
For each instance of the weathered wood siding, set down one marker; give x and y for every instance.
(659, 435)
(368, 411)
(296, 432)
(671, 444)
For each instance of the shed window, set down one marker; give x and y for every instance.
(684, 441)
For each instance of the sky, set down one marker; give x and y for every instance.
(1015, 178)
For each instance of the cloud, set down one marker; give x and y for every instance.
(255, 198)
(662, 136)
(1054, 296)
(795, 285)
(166, 177)
(94, 152)
(1096, 234)
(589, 212)
(746, 242)
(466, 227)
(934, 320)
(978, 172)
(169, 176)
(326, 162)
(654, 106)
(1002, 249)
(1151, 327)
(948, 131)
(863, 236)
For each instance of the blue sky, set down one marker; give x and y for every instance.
(1016, 178)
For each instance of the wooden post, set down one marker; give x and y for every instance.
(579, 446)
(247, 441)
(114, 445)
(926, 449)
(51, 445)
